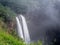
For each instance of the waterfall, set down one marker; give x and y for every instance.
(20, 33)
(23, 33)
(25, 29)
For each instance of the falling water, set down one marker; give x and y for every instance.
(25, 29)
(23, 33)
(20, 33)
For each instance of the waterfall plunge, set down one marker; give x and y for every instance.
(23, 33)
(20, 33)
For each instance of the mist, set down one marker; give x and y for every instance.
(43, 18)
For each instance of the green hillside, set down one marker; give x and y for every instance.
(7, 39)
(8, 35)
(7, 32)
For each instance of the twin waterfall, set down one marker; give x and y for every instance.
(23, 29)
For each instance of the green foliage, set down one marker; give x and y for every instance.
(6, 14)
(7, 39)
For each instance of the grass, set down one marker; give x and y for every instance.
(7, 39)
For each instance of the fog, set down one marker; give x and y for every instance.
(43, 18)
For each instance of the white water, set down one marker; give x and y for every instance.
(20, 33)
(25, 29)
(25, 33)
